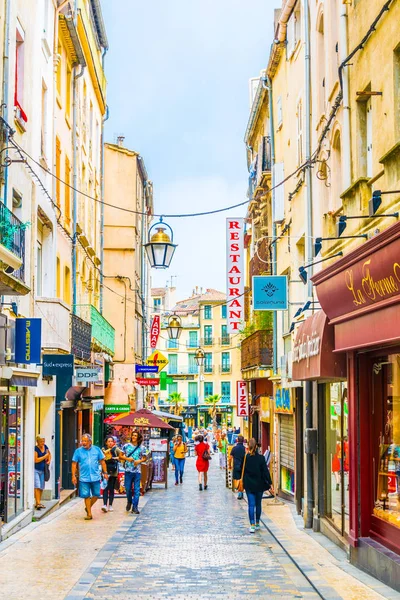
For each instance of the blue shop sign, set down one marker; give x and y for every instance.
(270, 293)
(28, 340)
(58, 364)
(146, 369)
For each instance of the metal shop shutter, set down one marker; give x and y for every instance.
(287, 445)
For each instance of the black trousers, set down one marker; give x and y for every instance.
(108, 493)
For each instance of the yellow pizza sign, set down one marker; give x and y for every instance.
(157, 359)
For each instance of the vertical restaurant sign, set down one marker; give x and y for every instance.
(242, 399)
(154, 331)
(28, 340)
(235, 273)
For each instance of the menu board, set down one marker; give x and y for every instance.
(160, 467)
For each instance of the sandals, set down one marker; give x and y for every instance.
(38, 506)
(87, 518)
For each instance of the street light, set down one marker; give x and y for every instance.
(199, 357)
(160, 247)
(174, 327)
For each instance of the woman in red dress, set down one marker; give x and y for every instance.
(202, 450)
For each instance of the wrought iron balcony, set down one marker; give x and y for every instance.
(207, 341)
(192, 344)
(183, 370)
(81, 338)
(103, 333)
(208, 369)
(225, 340)
(257, 350)
(225, 399)
(12, 238)
(225, 368)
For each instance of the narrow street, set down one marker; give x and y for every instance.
(184, 544)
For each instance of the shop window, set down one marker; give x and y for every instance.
(337, 449)
(11, 468)
(386, 439)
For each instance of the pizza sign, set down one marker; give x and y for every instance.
(154, 331)
(242, 399)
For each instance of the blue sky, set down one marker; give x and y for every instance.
(178, 89)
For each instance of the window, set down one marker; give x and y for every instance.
(226, 362)
(208, 389)
(67, 192)
(225, 339)
(193, 366)
(299, 120)
(67, 285)
(20, 75)
(173, 344)
(208, 335)
(208, 311)
(226, 391)
(58, 172)
(364, 135)
(279, 192)
(369, 139)
(173, 363)
(58, 278)
(208, 368)
(224, 311)
(279, 112)
(157, 304)
(39, 266)
(172, 388)
(293, 31)
(192, 388)
(193, 339)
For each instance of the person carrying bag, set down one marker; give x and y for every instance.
(255, 480)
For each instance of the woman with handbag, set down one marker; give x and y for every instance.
(112, 455)
(255, 481)
(180, 450)
(42, 474)
(203, 460)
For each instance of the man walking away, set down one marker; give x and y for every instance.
(238, 453)
(180, 450)
(88, 457)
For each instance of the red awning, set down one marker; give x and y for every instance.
(140, 418)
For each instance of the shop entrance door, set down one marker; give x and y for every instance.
(68, 446)
(11, 468)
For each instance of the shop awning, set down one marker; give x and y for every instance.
(20, 377)
(140, 418)
(75, 392)
(167, 415)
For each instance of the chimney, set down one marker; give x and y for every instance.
(120, 141)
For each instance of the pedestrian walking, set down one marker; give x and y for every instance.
(112, 455)
(237, 455)
(42, 462)
(255, 479)
(88, 459)
(223, 447)
(180, 450)
(203, 461)
(134, 455)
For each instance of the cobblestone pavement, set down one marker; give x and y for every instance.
(191, 544)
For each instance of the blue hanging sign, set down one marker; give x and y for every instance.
(146, 369)
(270, 292)
(28, 341)
(58, 364)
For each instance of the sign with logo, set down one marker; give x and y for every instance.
(28, 341)
(88, 375)
(182, 377)
(58, 364)
(235, 274)
(283, 401)
(154, 331)
(147, 381)
(145, 369)
(157, 359)
(242, 399)
(116, 408)
(270, 293)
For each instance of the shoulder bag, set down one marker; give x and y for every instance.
(46, 471)
(240, 486)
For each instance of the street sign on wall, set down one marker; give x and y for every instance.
(242, 399)
(235, 274)
(88, 375)
(270, 292)
(28, 340)
(147, 381)
(154, 331)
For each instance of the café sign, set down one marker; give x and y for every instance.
(242, 399)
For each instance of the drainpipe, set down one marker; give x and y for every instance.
(346, 145)
(309, 249)
(143, 271)
(6, 75)
(104, 119)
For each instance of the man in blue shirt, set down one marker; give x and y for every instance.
(134, 454)
(88, 458)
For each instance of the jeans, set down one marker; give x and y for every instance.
(179, 467)
(254, 505)
(132, 479)
(108, 492)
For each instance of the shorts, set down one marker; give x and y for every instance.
(39, 480)
(89, 489)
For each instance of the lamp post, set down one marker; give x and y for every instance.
(199, 358)
(160, 247)
(174, 327)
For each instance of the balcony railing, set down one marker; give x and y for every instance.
(225, 368)
(207, 341)
(55, 323)
(192, 344)
(193, 400)
(225, 399)
(182, 370)
(103, 334)
(257, 350)
(12, 237)
(225, 340)
(208, 369)
(81, 338)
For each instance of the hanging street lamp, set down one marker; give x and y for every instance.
(160, 247)
(174, 327)
(199, 357)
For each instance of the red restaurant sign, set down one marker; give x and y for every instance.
(154, 331)
(242, 399)
(235, 273)
(147, 381)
